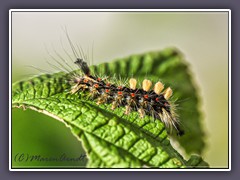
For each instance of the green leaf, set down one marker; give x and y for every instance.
(170, 67)
(111, 138)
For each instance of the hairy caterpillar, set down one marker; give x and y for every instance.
(145, 101)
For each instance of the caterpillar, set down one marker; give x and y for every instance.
(145, 101)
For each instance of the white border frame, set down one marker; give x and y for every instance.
(120, 10)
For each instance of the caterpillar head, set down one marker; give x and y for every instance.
(83, 66)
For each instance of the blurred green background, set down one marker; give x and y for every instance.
(201, 36)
